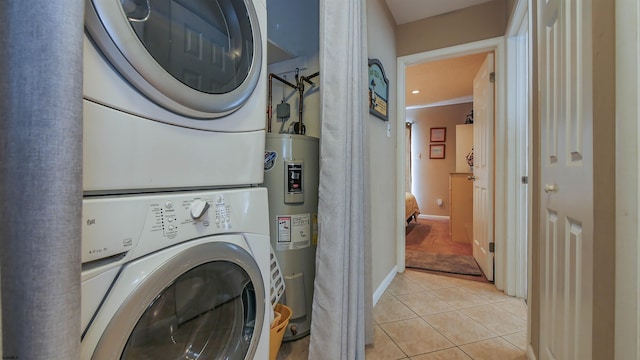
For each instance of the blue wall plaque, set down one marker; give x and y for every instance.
(378, 90)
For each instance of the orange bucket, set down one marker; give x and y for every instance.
(281, 320)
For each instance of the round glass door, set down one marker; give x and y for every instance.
(204, 55)
(206, 302)
(207, 313)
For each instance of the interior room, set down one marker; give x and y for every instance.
(225, 179)
(439, 101)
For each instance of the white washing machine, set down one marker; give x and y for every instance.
(176, 275)
(174, 94)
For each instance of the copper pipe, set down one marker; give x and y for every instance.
(300, 102)
(282, 80)
(270, 101)
(269, 107)
(308, 78)
(301, 91)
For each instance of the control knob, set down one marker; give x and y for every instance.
(198, 208)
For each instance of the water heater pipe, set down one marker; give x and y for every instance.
(300, 80)
(269, 107)
(301, 91)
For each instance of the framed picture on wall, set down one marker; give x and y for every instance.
(436, 151)
(438, 134)
(378, 90)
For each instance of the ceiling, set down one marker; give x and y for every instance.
(405, 11)
(443, 82)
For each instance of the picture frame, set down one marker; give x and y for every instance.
(436, 151)
(378, 85)
(438, 134)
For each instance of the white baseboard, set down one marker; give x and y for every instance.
(530, 354)
(385, 284)
(433, 217)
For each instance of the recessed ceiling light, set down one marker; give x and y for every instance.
(415, 92)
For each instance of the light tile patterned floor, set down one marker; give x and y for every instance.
(424, 316)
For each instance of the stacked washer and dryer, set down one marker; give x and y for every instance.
(175, 241)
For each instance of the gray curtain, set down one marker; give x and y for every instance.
(341, 322)
(40, 177)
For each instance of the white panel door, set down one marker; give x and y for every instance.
(566, 204)
(483, 114)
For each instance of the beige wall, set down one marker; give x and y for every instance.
(430, 177)
(484, 21)
(381, 42)
(604, 160)
(510, 6)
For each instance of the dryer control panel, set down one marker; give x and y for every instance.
(138, 225)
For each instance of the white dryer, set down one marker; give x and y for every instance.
(178, 275)
(174, 94)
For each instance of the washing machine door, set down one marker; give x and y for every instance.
(199, 58)
(206, 303)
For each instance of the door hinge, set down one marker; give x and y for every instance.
(492, 247)
(525, 179)
(492, 77)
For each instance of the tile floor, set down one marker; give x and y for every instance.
(423, 316)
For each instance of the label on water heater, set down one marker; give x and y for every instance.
(293, 186)
(270, 158)
(294, 231)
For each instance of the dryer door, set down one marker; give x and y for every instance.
(192, 57)
(205, 303)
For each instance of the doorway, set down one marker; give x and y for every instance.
(439, 113)
(501, 169)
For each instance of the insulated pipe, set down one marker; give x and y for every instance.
(269, 111)
(301, 91)
(269, 107)
(308, 78)
(300, 102)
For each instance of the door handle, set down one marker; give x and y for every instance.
(549, 188)
(471, 177)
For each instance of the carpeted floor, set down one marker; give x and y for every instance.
(428, 247)
(454, 264)
(432, 236)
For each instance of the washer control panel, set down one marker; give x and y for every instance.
(198, 208)
(137, 225)
(223, 213)
(199, 212)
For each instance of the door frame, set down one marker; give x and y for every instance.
(627, 283)
(519, 98)
(497, 45)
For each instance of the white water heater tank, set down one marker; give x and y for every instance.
(291, 173)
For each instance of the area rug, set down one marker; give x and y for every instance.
(416, 233)
(454, 264)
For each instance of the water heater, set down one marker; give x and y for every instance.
(291, 172)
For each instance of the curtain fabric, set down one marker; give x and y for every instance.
(41, 177)
(342, 301)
